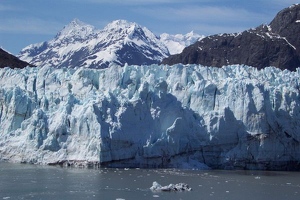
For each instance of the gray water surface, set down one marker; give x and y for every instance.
(20, 181)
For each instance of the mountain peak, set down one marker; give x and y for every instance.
(76, 29)
(120, 25)
(129, 30)
(76, 22)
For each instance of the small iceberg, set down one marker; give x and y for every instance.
(156, 187)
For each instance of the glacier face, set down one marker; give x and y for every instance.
(152, 116)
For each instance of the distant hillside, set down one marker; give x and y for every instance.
(9, 60)
(276, 44)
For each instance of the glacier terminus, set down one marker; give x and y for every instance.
(184, 116)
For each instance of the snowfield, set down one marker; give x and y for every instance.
(152, 116)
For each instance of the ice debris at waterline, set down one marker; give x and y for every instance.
(152, 116)
(156, 187)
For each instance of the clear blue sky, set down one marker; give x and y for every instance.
(24, 22)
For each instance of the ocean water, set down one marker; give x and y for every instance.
(24, 181)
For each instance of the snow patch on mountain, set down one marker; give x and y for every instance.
(152, 116)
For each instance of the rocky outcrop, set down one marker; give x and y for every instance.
(287, 25)
(276, 44)
(9, 60)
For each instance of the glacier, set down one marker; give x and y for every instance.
(183, 116)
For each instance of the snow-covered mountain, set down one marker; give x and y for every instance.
(152, 116)
(176, 43)
(81, 45)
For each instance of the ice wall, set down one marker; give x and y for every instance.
(152, 116)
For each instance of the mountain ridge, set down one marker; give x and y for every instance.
(81, 45)
(275, 44)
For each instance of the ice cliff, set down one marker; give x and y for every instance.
(152, 116)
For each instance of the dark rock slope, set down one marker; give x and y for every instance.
(276, 44)
(9, 60)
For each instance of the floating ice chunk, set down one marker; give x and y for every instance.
(156, 187)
